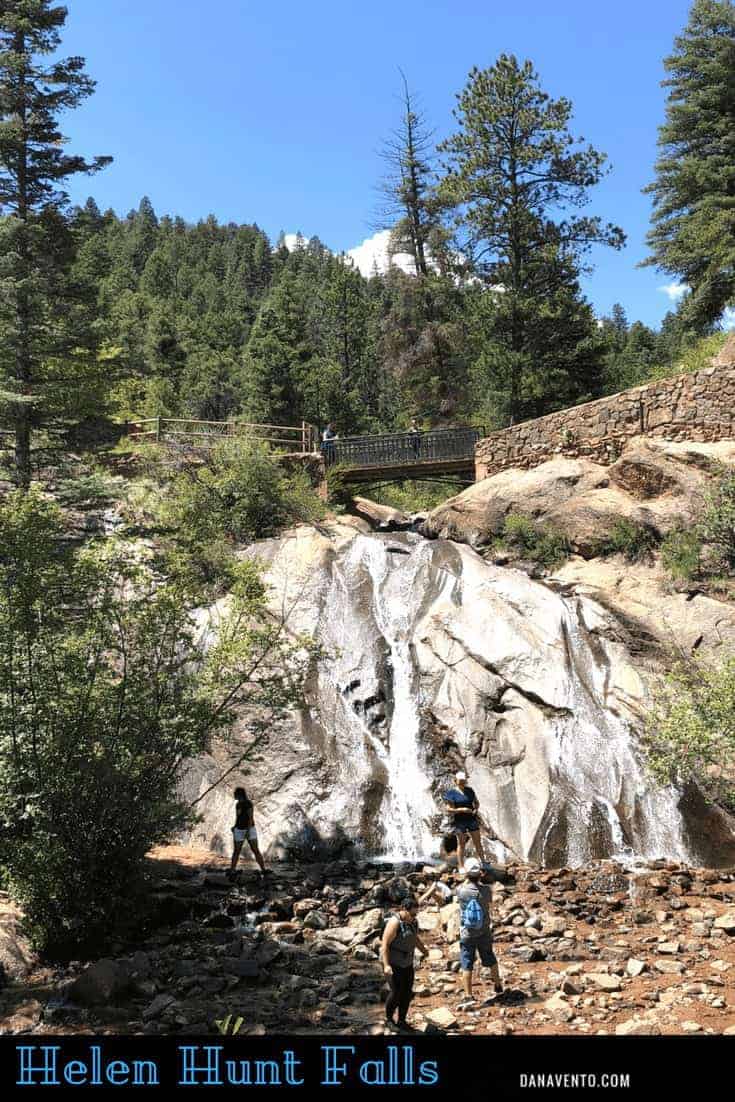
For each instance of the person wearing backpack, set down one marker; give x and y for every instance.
(475, 929)
(400, 941)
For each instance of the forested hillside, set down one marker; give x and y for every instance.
(215, 321)
(105, 319)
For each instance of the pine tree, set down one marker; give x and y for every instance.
(277, 356)
(410, 209)
(513, 169)
(41, 347)
(693, 221)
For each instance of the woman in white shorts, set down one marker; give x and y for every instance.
(244, 831)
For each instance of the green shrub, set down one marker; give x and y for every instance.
(339, 491)
(636, 542)
(107, 685)
(92, 487)
(520, 532)
(239, 492)
(544, 545)
(690, 734)
(718, 522)
(415, 496)
(681, 554)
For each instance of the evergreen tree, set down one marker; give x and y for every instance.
(410, 209)
(42, 346)
(418, 336)
(277, 357)
(693, 221)
(513, 168)
(636, 360)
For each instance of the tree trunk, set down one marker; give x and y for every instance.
(23, 360)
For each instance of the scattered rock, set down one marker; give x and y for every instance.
(442, 1017)
(604, 981)
(670, 948)
(99, 984)
(559, 1008)
(157, 1007)
(672, 967)
(636, 1027)
(23, 1020)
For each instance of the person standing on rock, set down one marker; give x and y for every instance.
(475, 929)
(244, 829)
(462, 804)
(400, 941)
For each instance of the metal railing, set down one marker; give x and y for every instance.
(393, 449)
(180, 430)
(402, 448)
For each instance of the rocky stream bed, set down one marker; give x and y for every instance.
(598, 949)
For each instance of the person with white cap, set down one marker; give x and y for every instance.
(475, 929)
(462, 804)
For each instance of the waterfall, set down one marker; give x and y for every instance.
(598, 763)
(434, 658)
(396, 593)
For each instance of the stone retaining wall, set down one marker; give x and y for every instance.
(700, 406)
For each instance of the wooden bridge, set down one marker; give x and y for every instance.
(188, 433)
(433, 455)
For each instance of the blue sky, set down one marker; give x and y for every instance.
(275, 112)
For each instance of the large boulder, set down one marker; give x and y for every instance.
(101, 983)
(658, 484)
(655, 617)
(382, 518)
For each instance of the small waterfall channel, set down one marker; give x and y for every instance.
(385, 578)
(611, 803)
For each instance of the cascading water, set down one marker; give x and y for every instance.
(394, 596)
(597, 761)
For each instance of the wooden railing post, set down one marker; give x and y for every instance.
(158, 429)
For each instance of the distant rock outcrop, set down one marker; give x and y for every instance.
(656, 483)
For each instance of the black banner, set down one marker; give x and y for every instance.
(486, 1067)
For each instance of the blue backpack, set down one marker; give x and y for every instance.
(473, 916)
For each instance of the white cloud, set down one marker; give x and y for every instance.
(289, 240)
(728, 318)
(373, 253)
(674, 290)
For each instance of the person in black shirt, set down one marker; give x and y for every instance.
(244, 830)
(462, 804)
(400, 939)
(414, 436)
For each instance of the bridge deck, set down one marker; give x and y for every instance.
(390, 456)
(463, 470)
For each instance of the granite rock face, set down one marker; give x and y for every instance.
(437, 659)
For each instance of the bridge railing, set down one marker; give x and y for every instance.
(194, 433)
(403, 448)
